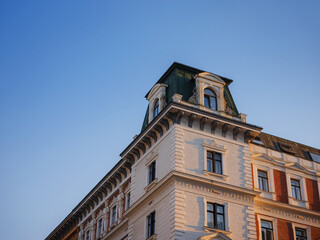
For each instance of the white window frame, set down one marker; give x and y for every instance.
(218, 149)
(297, 225)
(146, 228)
(111, 214)
(128, 196)
(101, 226)
(226, 215)
(86, 234)
(274, 226)
(272, 193)
(303, 190)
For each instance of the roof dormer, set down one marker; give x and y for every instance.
(157, 100)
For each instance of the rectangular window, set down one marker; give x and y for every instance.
(151, 220)
(128, 201)
(295, 188)
(114, 215)
(152, 172)
(100, 227)
(88, 235)
(301, 234)
(215, 216)
(214, 162)
(266, 230)
(263, 180)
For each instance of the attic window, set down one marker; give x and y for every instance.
(257, 140)
(286, 148)
(156, 108)
(315, 157)
(210, 99)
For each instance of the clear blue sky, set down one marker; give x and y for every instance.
(73, 76)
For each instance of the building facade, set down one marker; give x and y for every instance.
(198, 170)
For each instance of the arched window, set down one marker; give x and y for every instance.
(156, 108)
(210, 99)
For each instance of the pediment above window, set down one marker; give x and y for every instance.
(265, 157)
(215, 236)
(211, 77)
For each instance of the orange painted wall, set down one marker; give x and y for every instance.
(284, 230)
(280, 183)
(313, 194)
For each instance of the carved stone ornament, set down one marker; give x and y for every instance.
(193, 99)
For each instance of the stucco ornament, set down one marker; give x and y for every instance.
(193, 99)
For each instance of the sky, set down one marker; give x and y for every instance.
(73, 76)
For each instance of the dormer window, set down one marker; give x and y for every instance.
(210, 99)
(156, 108)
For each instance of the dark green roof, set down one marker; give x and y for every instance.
(180, 79)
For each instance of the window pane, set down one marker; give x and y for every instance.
(206, 102)
(220, 222)
(265, 185)
(269, 235)
(210, 207)
(262, 174)
(295, 183)
(213, 103)
(210, 219)
(218, 168)
(266, 224)
(219, 209)
(209, 92)
(209, 155)
(217, 156)
(209, 165)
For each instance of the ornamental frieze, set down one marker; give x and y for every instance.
(202, 188)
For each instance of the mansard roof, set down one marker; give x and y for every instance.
(293, 148)
(180, 79)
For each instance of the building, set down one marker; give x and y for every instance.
(198, 170)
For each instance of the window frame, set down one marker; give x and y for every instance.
(300, 226)
(208, 97)
(99, 230)
(301, 237)
(113, 219)
(156, 108)
(263, 180)
(274, 225)
(152, 171)
(128, 200)
(215, 214)
(151, 224)
(294, 189)
(261, 228)
(87, 235)
(213, 161)
(224, 155)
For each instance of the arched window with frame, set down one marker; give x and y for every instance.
(210, 99)
(156, 108)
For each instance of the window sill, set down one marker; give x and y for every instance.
(113, 225)
(207, 173)
(151, 185)
(153, 237)
(209, 229)
(299, 203)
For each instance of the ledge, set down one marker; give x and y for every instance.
(207, 173)
(151, 185)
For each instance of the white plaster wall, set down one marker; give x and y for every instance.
(161, 205)
(164, 149)
(236, 161)
(236, 217)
